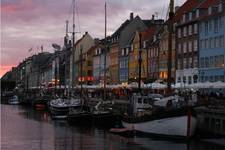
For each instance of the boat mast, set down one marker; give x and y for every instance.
(105, 52)
(170, 29)
(73, 42)
(81, 70)
(65, 56)
(139, 63)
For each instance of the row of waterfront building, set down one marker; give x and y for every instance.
(198, 52)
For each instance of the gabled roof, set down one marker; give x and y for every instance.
(208, 3)
(149, 33)
(189, 5)
(119, 30)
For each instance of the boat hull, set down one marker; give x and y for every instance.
(172, 126)
(84, 118)
(105, 119)
(59, 112)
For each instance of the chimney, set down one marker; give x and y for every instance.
(131, 16)
(176, 8)
(86, 32)
(153, 18)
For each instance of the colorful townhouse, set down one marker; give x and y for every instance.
(114, 53)
(153, 57)
(211, 39)
(163, 55)
(187, 51)
(139, 38)
(98, 64)
(84, 44)
(125, 41)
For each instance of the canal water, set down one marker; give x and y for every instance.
(23, 128)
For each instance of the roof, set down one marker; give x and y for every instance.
(128, 32)
(189, 5)
(149, 33)
(119, 30)
(208, 3)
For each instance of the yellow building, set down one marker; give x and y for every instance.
(133, 59)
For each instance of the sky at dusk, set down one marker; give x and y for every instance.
(29, 24)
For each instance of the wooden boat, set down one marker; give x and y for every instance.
(80, 116)
(165, 119)
(59, 108)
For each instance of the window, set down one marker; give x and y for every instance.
(195, 62)
(206, 62)
(197, 13)
(210, 25)
(217, 41)
(190, 46)
(202, 63)
(179, 33)
(210, 10)
(221, 22)
(206, 28)
(211, 61)
(144, 44)
(184, 47)
(127, 50)
(202, 44)
(221, 61)
(185, 63)
(184, 17)
(179, 48)
(221, 41)
(195, 45)
(216, 25)
(206, 43)
(216, 61)
(185, 31)
(190, 62)
(184, 79)
(220, 7)
(211, 42)
(179, 64)
(122, 52)
(189, 79)
(190, 29)
(190, 15)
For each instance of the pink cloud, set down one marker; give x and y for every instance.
(32, 23)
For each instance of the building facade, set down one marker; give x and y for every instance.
(211, 39)
(186, 22)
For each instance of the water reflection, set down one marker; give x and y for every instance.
(25, 128)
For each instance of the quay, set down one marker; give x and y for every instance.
(211, 120)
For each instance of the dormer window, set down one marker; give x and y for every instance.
(190, 15)
(123, 50)
(131, 47)
(144, 44)
(184, 18)
(221, 7)
(154, 38)
(210, 10)
(127, 51)
(197, 13)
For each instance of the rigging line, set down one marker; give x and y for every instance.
(163, 9)
(70, 11)
(78, 18)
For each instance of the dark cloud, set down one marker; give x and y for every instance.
(32, 23)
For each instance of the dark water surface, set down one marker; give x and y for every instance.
(23, 128)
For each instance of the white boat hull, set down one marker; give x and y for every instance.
(173, 126)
